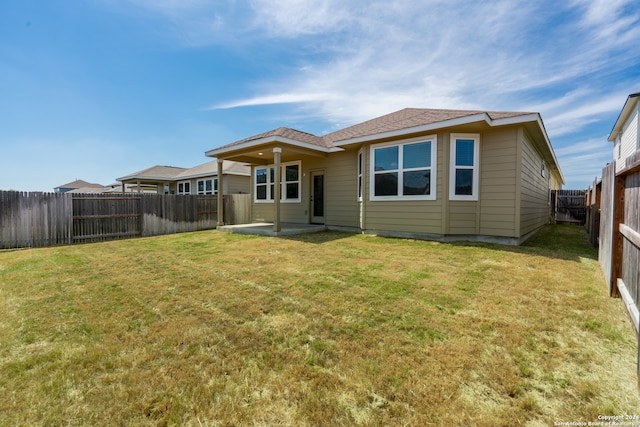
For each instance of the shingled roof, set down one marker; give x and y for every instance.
(410, 118)
(155, 172)
(286, 133)
(407, 118)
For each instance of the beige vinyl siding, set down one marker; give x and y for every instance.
(236, 184)
(289, 212)
(534, 197)
(406, 216)
(294, 212)
(498, 168)
(341, 180)
(463, 217)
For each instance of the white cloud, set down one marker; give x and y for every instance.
(580, 109)
(282, 98)
(290, 18)
(436, 54)
(351, 61)
(582, 162)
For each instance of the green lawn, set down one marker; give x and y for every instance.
(218, 329)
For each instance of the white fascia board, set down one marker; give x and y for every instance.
(268, 140)
(629, 106)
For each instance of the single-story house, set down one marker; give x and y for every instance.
(422, 173)
(201, 179)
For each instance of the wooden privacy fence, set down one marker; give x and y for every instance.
(619, 240)
(569, 206)
(593, 200)
(49, 219)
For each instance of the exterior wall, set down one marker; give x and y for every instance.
(236, 184)
(494, 214)
(294, 212)
(513, 196)
(419, 216)
(628, 143)
(341, 191)
(534, 189)
(498, 183)
(233, 184)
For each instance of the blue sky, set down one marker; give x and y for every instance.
(98, 89)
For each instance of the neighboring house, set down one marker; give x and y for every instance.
(423, 173)
(156, 179)
(78, 184)
(116, 187)
(201, 179)
(625, 134)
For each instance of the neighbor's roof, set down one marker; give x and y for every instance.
(78, 183)
(90, 190)
(629, 106)
(211, 168)
(160, 173)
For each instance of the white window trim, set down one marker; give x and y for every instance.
(214, 186)
(433, 139)
(360, 173)
(283, 183)
(183, 182)
(452, 166)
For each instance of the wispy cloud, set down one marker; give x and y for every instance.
(358, 59)
(583, 161)
(395, 54)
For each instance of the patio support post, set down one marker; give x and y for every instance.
(220, 195)
(277, 152)
(139, 189)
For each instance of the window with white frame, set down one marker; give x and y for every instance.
(360, 171)
(184, 187)
(543, 169)
(464, 167)
(264, 183)
(405, 171)
(208, 186)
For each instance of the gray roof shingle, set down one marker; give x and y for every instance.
(404, 119)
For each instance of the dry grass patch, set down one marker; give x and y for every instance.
(324, 329)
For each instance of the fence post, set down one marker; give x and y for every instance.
(617, 244)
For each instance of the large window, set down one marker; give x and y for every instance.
(404, 171)
(463, 178)
(184, 187)
(208, 186)
(264, 183)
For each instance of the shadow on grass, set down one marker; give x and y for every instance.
(319, 237)
(567, 242)
(560, 241)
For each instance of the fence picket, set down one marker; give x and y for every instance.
(49, 219)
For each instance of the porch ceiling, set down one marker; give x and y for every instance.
(263, 154)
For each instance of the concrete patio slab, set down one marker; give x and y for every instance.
(266, 229)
